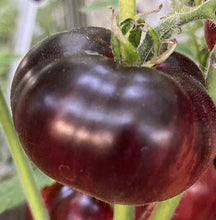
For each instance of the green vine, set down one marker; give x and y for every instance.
(127, 9)
(164, 210)
(174, 22)
(123, 212)
(22, 165)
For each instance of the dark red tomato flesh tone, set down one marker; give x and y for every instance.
(126, 135)
(63, 203)
(84, 40)
(198, 202)
(210, 34)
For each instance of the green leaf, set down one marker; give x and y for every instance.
(155, 39)
(11, 193)
(100, 5)
(7, 22)
(3, 27)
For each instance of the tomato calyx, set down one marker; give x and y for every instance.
(129, 48)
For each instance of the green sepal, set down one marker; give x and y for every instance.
(133, 34)
(115, 47)
(155, 39)
(123, 49)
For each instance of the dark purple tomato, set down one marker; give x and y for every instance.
(63, 203)
(210, 34)
(178, 63)
(127, 135)
(88, 40)
(198, 202)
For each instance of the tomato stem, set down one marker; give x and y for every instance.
(22, 164)
(127, 9)
(171, 23)
(164, 210)
(123, 212)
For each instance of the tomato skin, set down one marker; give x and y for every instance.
(126, 135)
(63, 203)
(198, 202)
(192, 81)
(84, 40)
(178, 65)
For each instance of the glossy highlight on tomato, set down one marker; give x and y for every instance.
(126, 135)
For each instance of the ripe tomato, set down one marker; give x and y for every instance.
(63, 203)
(127, 135)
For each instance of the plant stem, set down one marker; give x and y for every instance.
(123, 212)
(22, 164)
(170, 24)
(164, 210)
(127, 9)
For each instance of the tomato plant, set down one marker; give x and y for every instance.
(91, 114)
(82, 117)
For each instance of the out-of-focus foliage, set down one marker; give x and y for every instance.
(7, 29)
(12, 196)
(192, 44)
(100, 5)
(50, 19)
(8, 15)
(191, 40)
(7, 21)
